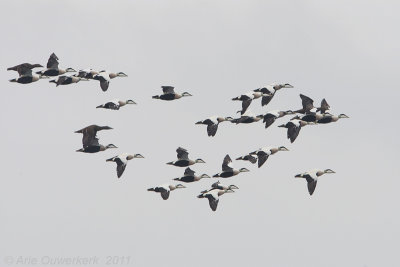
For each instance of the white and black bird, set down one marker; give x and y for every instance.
(312, 178)
(213, 196)
(105, 77)
(271, 116)
(218, 185)
(247, 117)
(183, 159)
(87, 73)
(309, 117)
(227, 170)
(169, 94)
(248, 157)
(328, 118)
(95, 147)
(25, 75)
(294, 127)
(165, 189)
(116, 104)
(247, 99)
(65, 80)
(189, 176)
(270, 90)
(122, 161)
(212, 124)
(53, 69)
(264, 152)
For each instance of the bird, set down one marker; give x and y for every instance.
(271, 116)
(189, 176)
(307, 103)
(247, 118)
(248, 157)
(87, 73)
(218, 185)
(213, 196)
(328, 118)
(116, 104)
(227, 170)
(95, 147)
(183, 159)
(64, 80)
(89, 134)
(247, 99)
(265, 152)
(122, 160)
(294, 128)
(23, 67)
(324, 107)
(309, 117)
(104, 77)
(169, 94)
(312, 178)
(270, 91)
(26, 76)
(52, 67)
(212, 124)
(165, 189)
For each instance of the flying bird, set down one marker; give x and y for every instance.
(312, 178)
(122, 160)
(24, 66)
(270, 90)
(213, 196)
(65, 80)
(324, 107)
(189, 176)
(169, 94)
(183, 159)
(248, 157)
(328, 118)
(307, 103)
(165, 189)
(218, 185)
(95, 147)
(227, 170)
(53, 69)
(104, 77)
(293, 128)
(265, 152)
(89, 135)
(87, 73)
(212, 124)
(26, 76)
(247, 118)
(271, 116)
(116, 104)
(247, 99)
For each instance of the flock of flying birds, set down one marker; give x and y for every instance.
(307, 115)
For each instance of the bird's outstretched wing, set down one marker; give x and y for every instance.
(52, 63)
(293, 132)
(226, 163)
(168, 89)
(120, 167)
(269, 119)
(311, 186)
(324, 106)
(262, 158)
(308, 103)
(188, 172)
(212, 129)
(213, 203)
(182, 153)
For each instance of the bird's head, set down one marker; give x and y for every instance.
(180, 186)
(199, 161)
(121, 74)
(232, 186)
(186, 94)
(329, 171)
(282, 148)
(243, 170)
(204, 176)
(129, 101)
(342, 116)
(70, 70)
(111, 146)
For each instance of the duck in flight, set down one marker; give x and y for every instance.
(271, 116)
(227, 170)
(169, 94)
(104, 77)
(307, 103)
(26, 76)
(89, 139)
(122, 161)
(53, 69)
(270, 90)
(165, 189)
(189, 176)
(294, 127)
(312, 178)
(248, 98)
(183, 159)
(212, 124)
(328, 118)
(116, 104)
(247, 118)
(213, 196)
(264, 152)
(65, 80)
(218, 185)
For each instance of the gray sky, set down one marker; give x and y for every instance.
(58, 203)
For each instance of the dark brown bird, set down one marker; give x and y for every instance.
(308, 104)
(24, 66)
(89, 134)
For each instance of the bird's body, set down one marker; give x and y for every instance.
(53, 69)
(169, 94)
(227, 170)
(87, 73)
(116, 104)
(270, 90)
(328, 118)
(95, 147)
(183, 159)
(189, 176)
(218, 185)
(212, 124)
(312, 178)
(247, 118)
(249, 158)
(25, 74)
(65, 80)
(309, 117)
(165, 189)
(265, 152)
(271, 116)
(293, 128)
(122, 161)
(89, 134)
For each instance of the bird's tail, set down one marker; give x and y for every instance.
(13, 80)
(200, 196)
(176, 179)
(170, 163)
(151, 189)
(282, 126)
(101, 106)
(110, 159)
(216, 175)
(298, 176)
(53, 81)
(156, 97)
(236, 98)
(80, 150)
(199, 122)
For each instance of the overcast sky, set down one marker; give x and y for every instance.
(58, 203)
